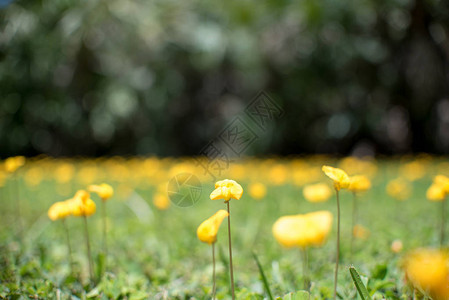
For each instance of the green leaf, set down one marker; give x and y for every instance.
(380, 271)
(264, 278)
(299, 295)
(363, 292)
(94, 293)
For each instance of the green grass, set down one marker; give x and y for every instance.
(156, 255)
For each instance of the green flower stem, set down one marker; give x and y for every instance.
(230, 252)
(213, 271)
(89, 254)
(338, 245)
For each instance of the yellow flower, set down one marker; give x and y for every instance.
(291, 231)
(360, 232)
(33, 177)
(396, 246)
(64, 172)
(161, 201)
(237, 171)
(104, 190)
(435, 192)
(303, 230)
(359, 183)
(321, 222)
(87, 174)
(414, 170)
(399, 189)
(340, 178)
(227, 189)
(59, 210)
(207, 231)
(305, 175)
(13, 163)
(428, 270)
(278, 174)
(319, 192)
(442, 181)
(82, 205)
(257, 190)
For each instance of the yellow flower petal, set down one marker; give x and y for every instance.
(359, 183)
(217, 194)
(161, 201)
(442, 181)
(321, 223)
(291, 231)
(257, 190)
(303, 230)
(319, 192)
(428, 270)
(59, 210)
(435, 193)
(82, 205)
(207, 231)
(340, 178)
(104, 190)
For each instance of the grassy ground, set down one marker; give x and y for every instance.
(155, 254)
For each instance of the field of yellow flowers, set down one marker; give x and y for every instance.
(113, 228)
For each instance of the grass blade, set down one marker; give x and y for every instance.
(264, 279)
(363, 292)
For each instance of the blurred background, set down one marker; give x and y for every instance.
(114, 77)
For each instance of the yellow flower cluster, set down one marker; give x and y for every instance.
(303, 231)
(224, 189)
(82, 205)
(79, 205)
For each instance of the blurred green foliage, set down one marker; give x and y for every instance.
(164, 77)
